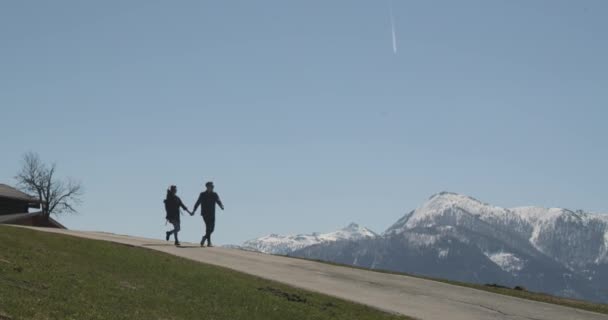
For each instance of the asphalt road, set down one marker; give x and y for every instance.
(418, 298)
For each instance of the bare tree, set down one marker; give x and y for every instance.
(56, 196)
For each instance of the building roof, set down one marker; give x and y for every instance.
(12, 193)
(8, 218)
(15, 218)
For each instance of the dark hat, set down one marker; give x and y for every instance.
(209, 184)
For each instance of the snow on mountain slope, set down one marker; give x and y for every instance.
(284, 244)
(575, 239)
(603, 257)
(352, 232)
(507, 261)
(438, 205)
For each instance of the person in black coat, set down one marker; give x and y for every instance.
(172, 205)
(207, 200)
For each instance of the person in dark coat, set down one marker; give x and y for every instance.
(172, 205)
(207, 200)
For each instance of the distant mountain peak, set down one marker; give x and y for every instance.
(441, 209)
(538, 227)
(443, 194)
(284, 244)
(355, 227)
(352, 225)
(454, 197)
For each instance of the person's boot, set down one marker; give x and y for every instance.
(176, 240)
(209, 245)
(203, 241)
(167, 235)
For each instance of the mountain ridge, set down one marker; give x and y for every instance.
(458, 237)
(283, 244)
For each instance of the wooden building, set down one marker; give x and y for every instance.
(15, 206)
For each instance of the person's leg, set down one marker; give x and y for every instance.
(176, 228)
(206, 230)
(170, 232)
(210, 229)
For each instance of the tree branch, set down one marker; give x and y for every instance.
(56, 196)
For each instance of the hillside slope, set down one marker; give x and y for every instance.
(50, 276)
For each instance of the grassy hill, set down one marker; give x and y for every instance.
(49, 276)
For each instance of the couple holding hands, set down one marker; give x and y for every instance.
(206, 200)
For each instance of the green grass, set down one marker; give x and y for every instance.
(50, 276)
(529, 295)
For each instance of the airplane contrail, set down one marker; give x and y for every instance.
(394, 34)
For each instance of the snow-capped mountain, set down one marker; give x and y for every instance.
(284, 244)
(457, 237)
(574, 239)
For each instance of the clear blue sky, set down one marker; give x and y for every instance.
(301, 112)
